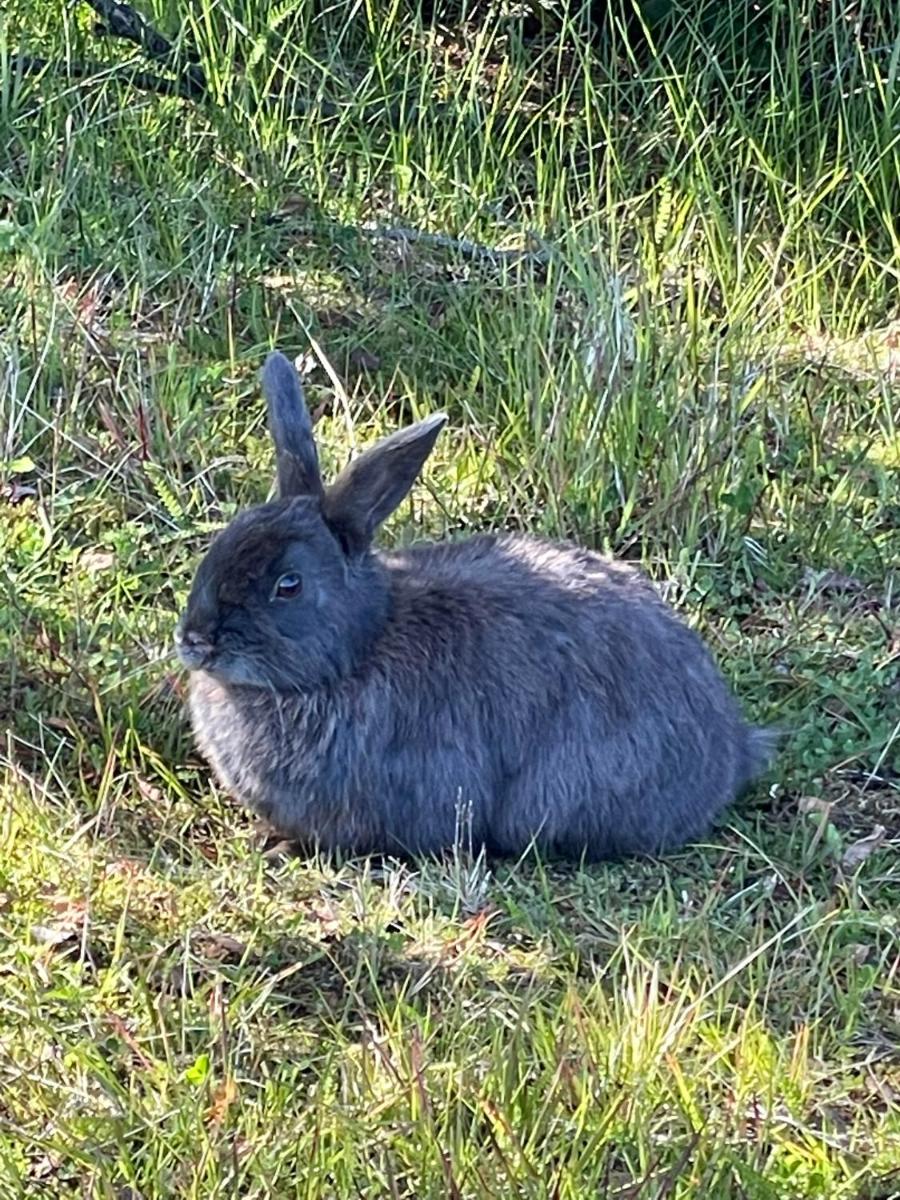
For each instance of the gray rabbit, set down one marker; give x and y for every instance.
(500, 690)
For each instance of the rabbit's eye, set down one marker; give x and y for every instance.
(287, 587)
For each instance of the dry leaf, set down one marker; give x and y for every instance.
(149, 791)
(67, 934)
(128, 868)
(97, 560)
(113, 425)
(218, 946)
(15, 492)
(281, 852)
(71, 912)
(122, 1030)
(216, 1004)
(47, 935)
(327, 916)
(831, 581)
(858, 852)
(41, 1169)
(882, 1089)
(813, 804)
(223, 1098)
(63, 724)
(278, 282)
(477, 923)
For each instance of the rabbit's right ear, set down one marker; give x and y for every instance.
(371, 487)
(297, 461)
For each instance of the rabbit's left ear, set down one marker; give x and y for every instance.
(297, 461)
(371, 487)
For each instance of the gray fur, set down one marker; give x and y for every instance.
(296, 457)
(539, 691)
(373, 485)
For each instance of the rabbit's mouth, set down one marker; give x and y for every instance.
(200, 653)
(193, 649)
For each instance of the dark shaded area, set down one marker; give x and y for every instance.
(744, 37)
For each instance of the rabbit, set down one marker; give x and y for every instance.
(504, 691)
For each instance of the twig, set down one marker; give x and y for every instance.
(541, 257)
(119, 20)
(122, 21)
(142, 80)
(462, 246)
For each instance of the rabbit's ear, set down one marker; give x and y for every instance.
(297, 462)
(372, 486)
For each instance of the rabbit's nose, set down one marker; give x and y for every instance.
(193, 648)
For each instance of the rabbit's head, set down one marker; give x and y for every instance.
(289, 594)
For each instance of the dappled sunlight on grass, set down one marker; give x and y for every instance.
(692, 363)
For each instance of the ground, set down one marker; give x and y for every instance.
(694, 362)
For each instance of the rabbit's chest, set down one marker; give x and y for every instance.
(260, 744)
(291, 760)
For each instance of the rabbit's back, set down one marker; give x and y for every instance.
(604, 718)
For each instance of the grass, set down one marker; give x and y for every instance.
(704, 376)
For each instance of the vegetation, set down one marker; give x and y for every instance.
(694, 362)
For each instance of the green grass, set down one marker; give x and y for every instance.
(704, 376)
